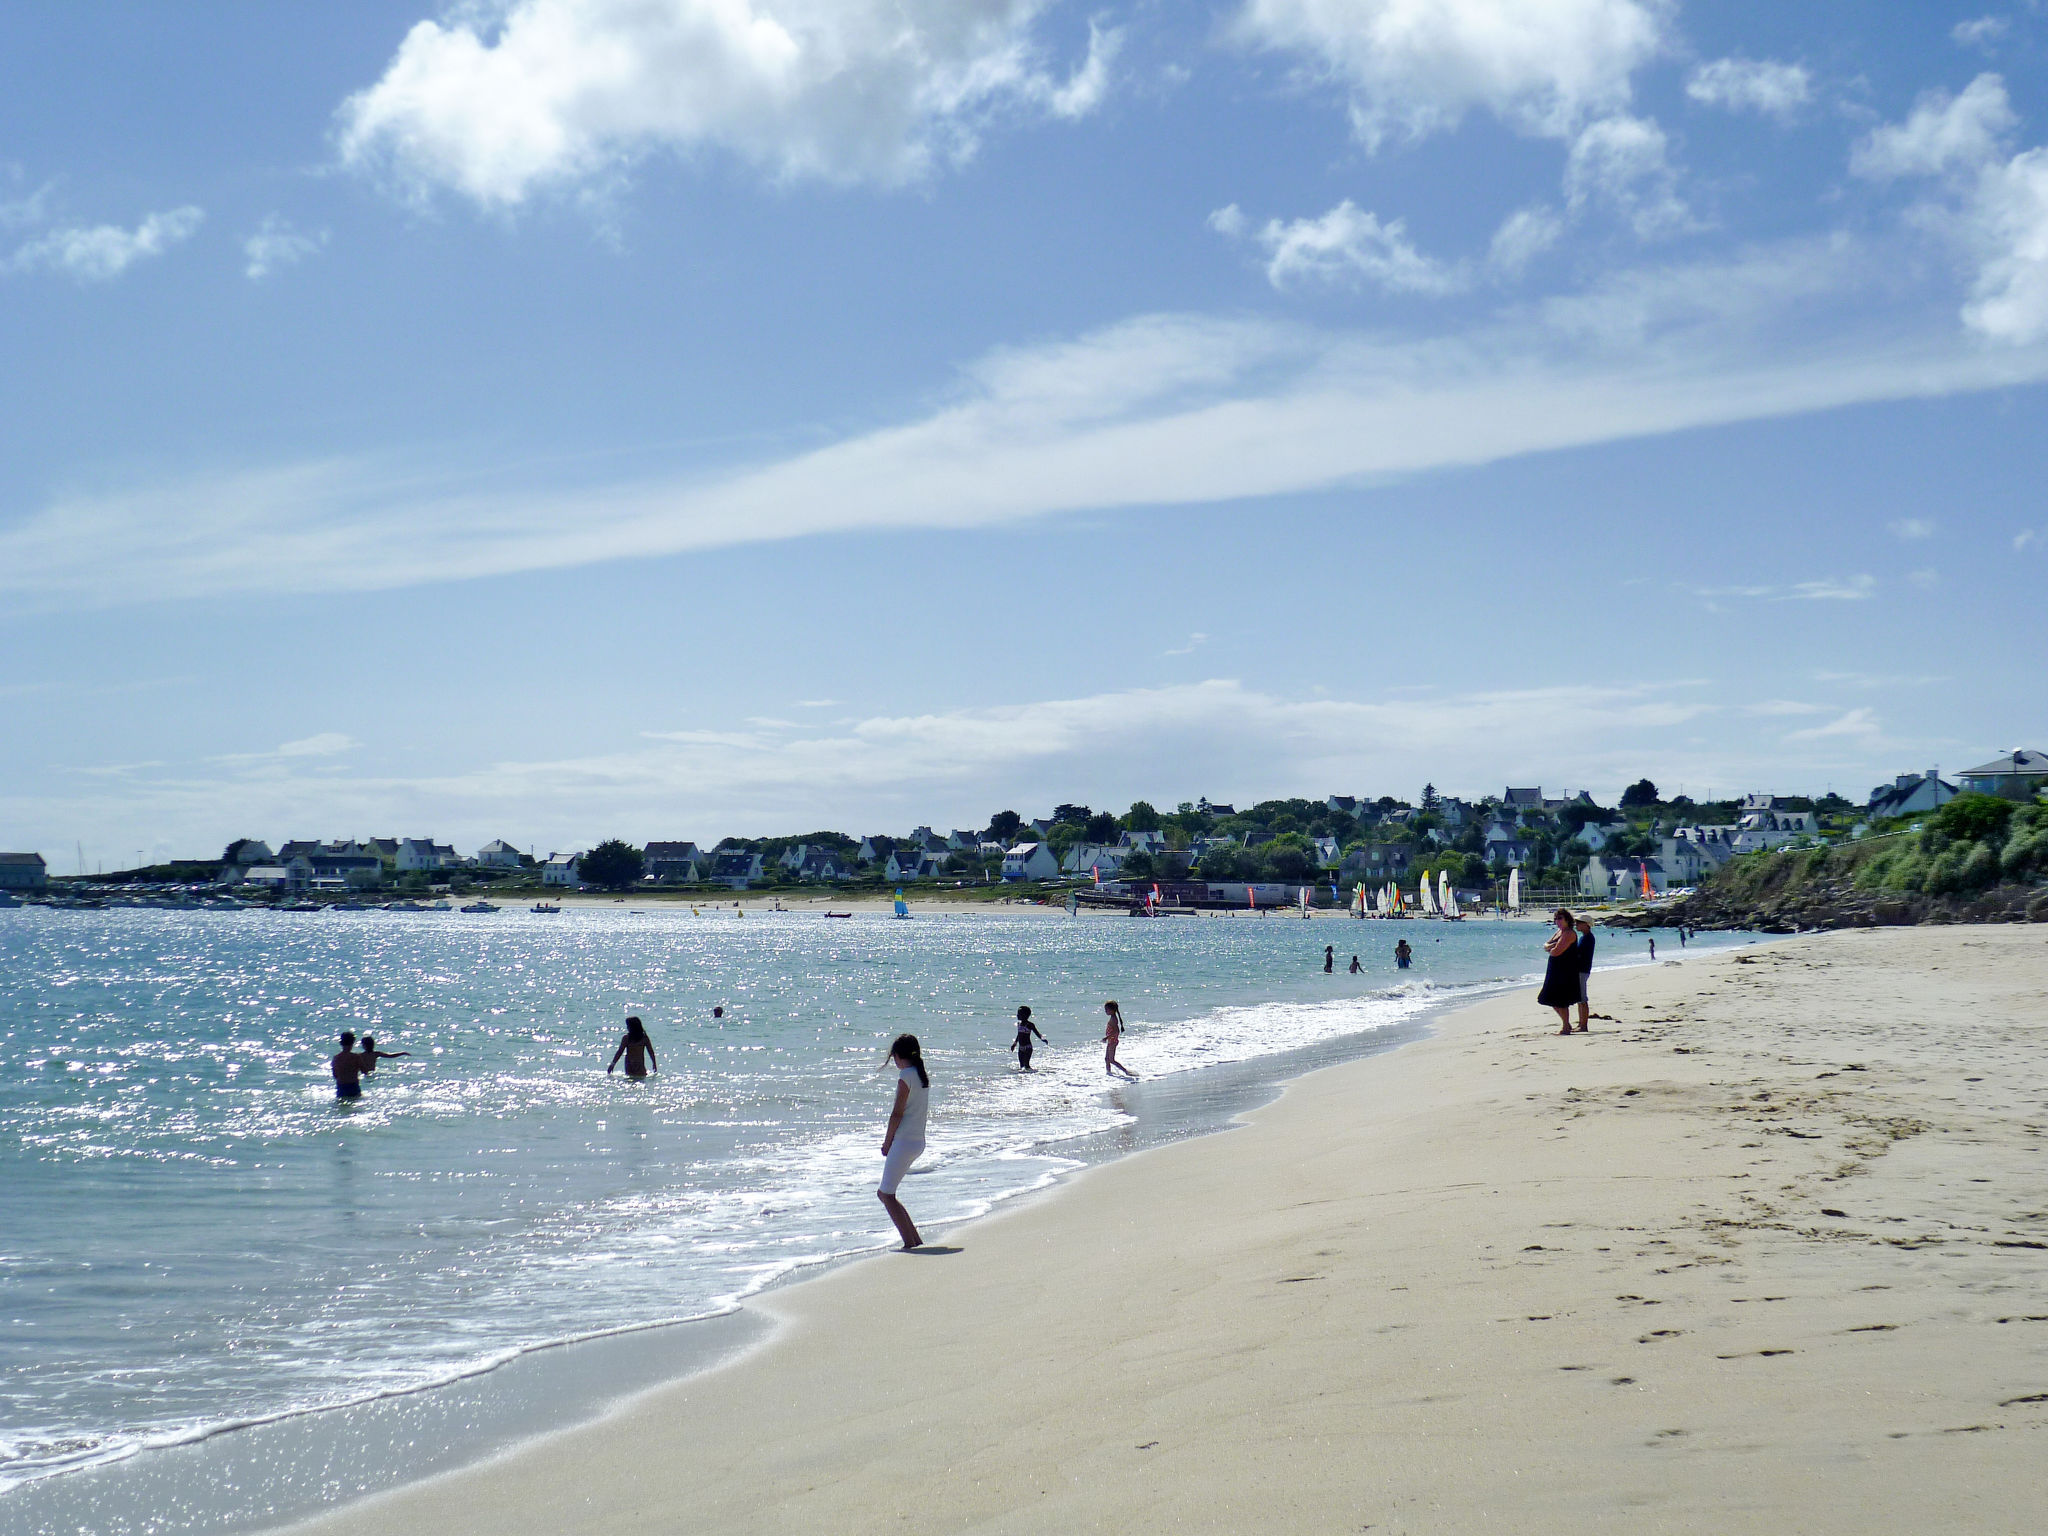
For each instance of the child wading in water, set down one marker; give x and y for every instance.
(1022, 1044)
(904, 1139)
(1111, 1034)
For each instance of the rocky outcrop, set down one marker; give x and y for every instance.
(1807, 905)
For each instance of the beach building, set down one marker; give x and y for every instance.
(497, 854)
(561, 869)
(673, 863)
(23, 872)
(1091, 858)
(1910, 794)
(1029, 861)
(2014, 775)
(346, 866)
(285, 879)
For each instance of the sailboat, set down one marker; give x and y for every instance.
(902, 906)
(1446, 898)
(1515, 889)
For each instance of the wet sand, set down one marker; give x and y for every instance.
(1768, 1252)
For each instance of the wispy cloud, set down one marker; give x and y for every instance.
(1912, 528)
(104, 251)
(1158, 410)
(1860, 723)
(276, 244)
(1823, 589)
(1195, 642)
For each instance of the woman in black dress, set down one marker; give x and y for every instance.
(1561, 975)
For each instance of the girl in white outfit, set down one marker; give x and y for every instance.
(904, 1140)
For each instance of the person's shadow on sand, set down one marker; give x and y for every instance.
(933, 1250)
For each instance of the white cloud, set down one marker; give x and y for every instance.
(1981, 33)
(1912, 528)
(1228, 220)
(1622, 161)
(1825, 589)
(1860, 722)
(1348, 244)
(2028, 538)
(1523, 235)
(1756, 85)
(2007, 222)
(1413, 67)
(1777, 708)
(105, 251)
(276, 244)
(500, 103)
(324, 744)
(1942, 134)
(1195, 642)
(1158, 410)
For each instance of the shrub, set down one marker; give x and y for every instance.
(1980, 868)
(1973, 818)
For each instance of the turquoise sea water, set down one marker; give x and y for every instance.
(197, 1235)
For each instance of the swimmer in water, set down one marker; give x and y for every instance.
(637, 1049)
(1329, 958)
(347, 1068)
(1403, 954)
(369, 1055)
(1355, 966)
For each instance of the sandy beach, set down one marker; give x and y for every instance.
(1768, 1251)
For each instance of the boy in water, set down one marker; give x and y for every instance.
(347, 1068)
(368, 1057)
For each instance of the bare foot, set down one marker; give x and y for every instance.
(1582, 1029)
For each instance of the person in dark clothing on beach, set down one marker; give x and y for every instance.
(347, 1068)
(1329, 958)
(1584, 952)
(1022, 1044)
(638, 1050)
(1561, 975)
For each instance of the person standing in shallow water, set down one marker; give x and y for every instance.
(1561, 976)
(347, 1068)
(903, 1141)
(1022, 1044)
(1329, 958)
(1403, 954)
(1113, 1032)
(1355, 966)
(638, 1050)
(368, 1057)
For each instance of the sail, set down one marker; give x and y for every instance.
(1446, 898)
(1515, 889)
(1425, 897)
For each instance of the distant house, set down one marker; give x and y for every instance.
(1328, 852)
(1761, 829)
(1596, 835)
(250, 850)
(959, 841)
(1153, 843)
(1520, 800)
(1210, 807)
(1508, 850)
(1455, 813)
(906, 862)
(2013, 776)
(822, 864)
(497, 854)
(291, 877)
(736, 868)
(354, 871)
(423, 853)
(1346, 804)
(1374, 862)
(1910, 794)
(1029, 861)
(1042, 825)
(1091, 858)
(1621, 879)
(23, 872)
(562, 869)
(876, 850)
(673, 863)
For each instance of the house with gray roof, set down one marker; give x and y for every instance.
(1910, 794)
(23, 872)
(2012, 775)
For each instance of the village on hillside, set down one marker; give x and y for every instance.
(1564, 844)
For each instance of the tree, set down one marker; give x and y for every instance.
(1973, 818)
(1101, 828)
(1230, 861)
(1078, 814)
(1639, 795)
(1286, 859)
(1141, 817)
(613, 864)
(1138, 866)
(1429, 797)
(1003, 827)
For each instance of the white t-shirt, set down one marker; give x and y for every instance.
(914, 1107)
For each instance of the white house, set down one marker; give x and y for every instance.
(1153, 843)
(1621, 879)
(1910, 794)
(1328, 852)
(561, 869)
(1086, 858)
(23, 872)
(737, 868)
(673, 863)
(497, 854)
(1773, 828)
(424, 853)
(1029, 861)
(908, 862)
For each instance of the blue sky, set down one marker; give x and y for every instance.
(554, 419)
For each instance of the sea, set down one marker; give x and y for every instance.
(197, 1238)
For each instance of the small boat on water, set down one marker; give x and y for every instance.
(403, 906)
(439, 906)
(839, 914)
(545, 906)
(479, 906)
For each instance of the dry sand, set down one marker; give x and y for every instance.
(1765, 1255)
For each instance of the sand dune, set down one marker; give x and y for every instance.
(1768, 1252)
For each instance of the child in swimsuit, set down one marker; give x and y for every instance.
(1022, 1044)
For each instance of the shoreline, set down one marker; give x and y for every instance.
(1416, 1295)
(480, 1412)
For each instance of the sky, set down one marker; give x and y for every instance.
(562, 419)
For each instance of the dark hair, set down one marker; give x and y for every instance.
(369, 1042)
(635, 1030)
(348, 1037)
(1111, 1007)
(907, 1049)
(1561, 912)
(1024, 1012)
